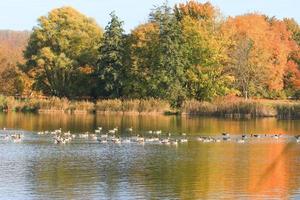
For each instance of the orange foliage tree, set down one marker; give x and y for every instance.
(292, 76)
(272, 45)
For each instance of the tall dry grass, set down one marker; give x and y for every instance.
(139, 106)
(223, 107)
(230, 108)
(52, 104)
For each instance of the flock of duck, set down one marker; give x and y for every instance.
(158, 137)
(16, 137)
(113, 136)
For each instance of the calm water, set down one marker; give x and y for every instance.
(38, 169)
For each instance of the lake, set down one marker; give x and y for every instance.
(36, 168)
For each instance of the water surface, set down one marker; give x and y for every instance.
(36, 168)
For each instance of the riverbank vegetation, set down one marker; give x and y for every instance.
(228, 107)
(241, 108)
(54, 104)
(181, 60)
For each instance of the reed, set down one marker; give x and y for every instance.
(153, 105)
(135, 105)
(54, 103)
(112, 105)
(3, 103)
(82, 107)
(230, 108)
(288, 110)
(222, 107)
(194, 107)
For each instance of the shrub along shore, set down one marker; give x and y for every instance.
(232, 108)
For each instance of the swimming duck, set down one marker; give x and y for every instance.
(240, 140)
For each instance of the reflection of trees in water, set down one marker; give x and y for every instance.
(190, 171)
(76, 173)
(57, 178)
(52, 121)
(214, 126)
(188, 124)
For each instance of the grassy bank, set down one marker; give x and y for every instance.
(240, 108)
(224, 107)
(133, 106)
(9, 104)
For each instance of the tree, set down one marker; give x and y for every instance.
(249, 76)
(168, 81)
(62, 53)
(292, 73)
(12, 45)
(143, 45)
(10, 79)
(205, 50)
(271, 46)
(111, 62)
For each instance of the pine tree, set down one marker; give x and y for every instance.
(171, 62)
(110, 64)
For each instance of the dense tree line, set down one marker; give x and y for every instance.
(12, 44)
(186, 52)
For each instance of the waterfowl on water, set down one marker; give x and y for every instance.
(174, 142)
(59, 140)
(157, 132)
(240, 140)
(139, 139)
(255, 135)
(97, 131)
(16, 137)
(116, 140)
(102, 141)
(153, 139)
(183, 140)
(226, 138)
(297, 138)
(207, 139)
(225, 134)
(61, 137)
(165, 141)
(276, 136)
(216, 140)
(94, 137)
(127, 140)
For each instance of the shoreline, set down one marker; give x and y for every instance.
(236, 108)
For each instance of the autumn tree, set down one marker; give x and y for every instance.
(62, 53)
(157, 58)
(110, 67)
(143, 44)
(249, 76)
(292, 73)
(205, 50)
(271, 47)
(10, 78)
(12, 44)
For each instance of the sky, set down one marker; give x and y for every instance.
(23, 14)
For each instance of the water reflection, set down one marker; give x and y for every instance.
(190, 125)
(42, 170)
